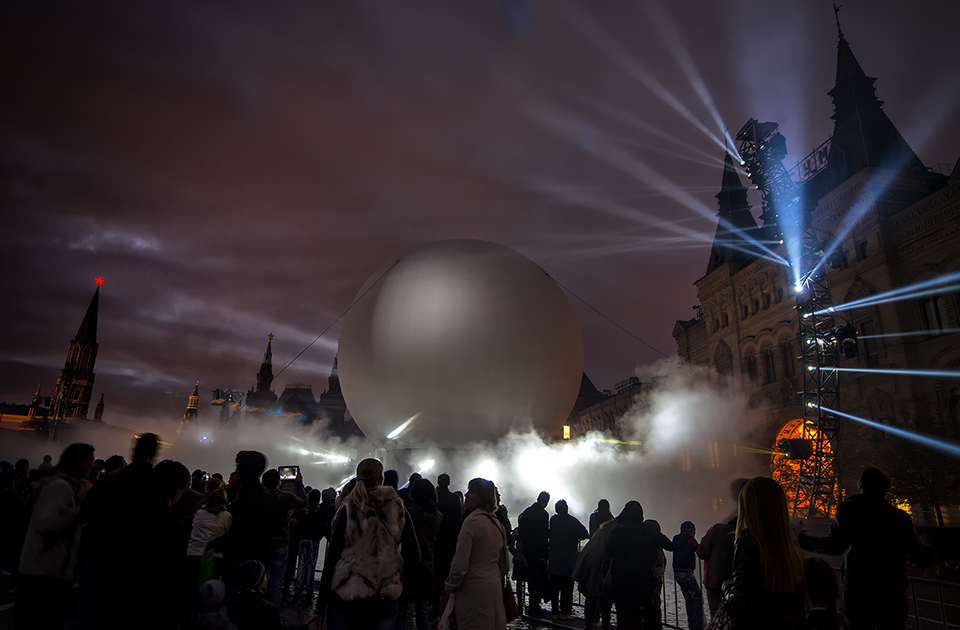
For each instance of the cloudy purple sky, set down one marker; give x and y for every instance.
(236, 169)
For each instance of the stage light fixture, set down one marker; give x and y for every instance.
(846, 336)
(796, 448)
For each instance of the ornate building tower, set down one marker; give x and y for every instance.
(262, 399)
(71, 397)
(191, 415)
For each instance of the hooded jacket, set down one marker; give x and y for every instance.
(50, 548)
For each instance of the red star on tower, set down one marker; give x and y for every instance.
(98, 280)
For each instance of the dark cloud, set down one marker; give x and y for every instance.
(234, 170)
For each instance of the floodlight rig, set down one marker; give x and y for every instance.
(762, 149)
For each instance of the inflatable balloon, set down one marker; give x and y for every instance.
(458, 342)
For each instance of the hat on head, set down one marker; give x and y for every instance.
(211, 595)
(249, 575)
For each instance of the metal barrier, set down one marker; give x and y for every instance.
(933, 604)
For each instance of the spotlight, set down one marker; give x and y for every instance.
(846, 336)
(796, 448)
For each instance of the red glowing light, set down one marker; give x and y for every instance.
(98, 280)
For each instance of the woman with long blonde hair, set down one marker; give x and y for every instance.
(767, 588)
(373, 540)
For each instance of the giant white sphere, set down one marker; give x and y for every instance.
(457, 342)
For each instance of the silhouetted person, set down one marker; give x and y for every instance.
(633, 549)
(113, 463)
(684, 566)
(418, 582)
(586, 572)
(823, 593)
(391, 478)
(283, 503)
(566, 532)
(313, 527)
(716, 551)
(148, 592)
(49, 554)
(450, 506)
(253, 515)
(252, 610)
(107, 510)
(600, 516)
(404, 492)
(47, 463)
(533, 526)
(198, 481)
(879, 538)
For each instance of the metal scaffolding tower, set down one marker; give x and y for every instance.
(786, 217)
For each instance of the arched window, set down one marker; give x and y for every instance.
(716, 325)
(746, 312)
(779, 295)
(726, 320)
(788, 358)
(769, 369)
(756, 306)
(751, 369)
(766, 300)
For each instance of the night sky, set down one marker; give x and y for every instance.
(234, 169)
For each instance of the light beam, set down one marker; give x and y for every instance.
(933, 442)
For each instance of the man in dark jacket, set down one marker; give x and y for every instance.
(716, 551)
(533, 527)
(633, 549)
(566, 532)
(450, 505)
(878, 538)
(284, 502)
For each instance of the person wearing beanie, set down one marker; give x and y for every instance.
(251, 610)
(684, 565)
(212, 613)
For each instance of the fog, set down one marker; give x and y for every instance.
(679, 410)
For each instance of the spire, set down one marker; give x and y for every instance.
(37, 398)
(863, 135)
(268, 355)
(98, 412)
(735, 225)
(265, 375)
(190, 416)
(88, 327)
(333, 382)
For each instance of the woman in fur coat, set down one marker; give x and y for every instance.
(480, 562)
(373, 541)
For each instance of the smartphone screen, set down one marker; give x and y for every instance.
(288, 472)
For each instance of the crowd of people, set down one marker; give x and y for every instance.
(151, 545)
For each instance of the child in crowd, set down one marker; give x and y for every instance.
(252, 610)
(823, 592)
(684, 565)
(212, 611)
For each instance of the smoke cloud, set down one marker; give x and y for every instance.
(663, 461)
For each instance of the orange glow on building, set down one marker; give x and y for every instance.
(786, 471)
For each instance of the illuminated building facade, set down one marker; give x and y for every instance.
(898, 224)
